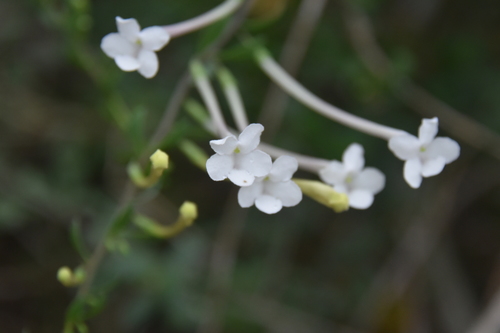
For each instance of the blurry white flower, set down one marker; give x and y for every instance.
(274, 191)
(350, 177)
(237, 159)
(426, 155)
(133, 48)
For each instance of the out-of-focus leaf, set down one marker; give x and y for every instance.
(120, 222)
(210, 34)
(78, 240)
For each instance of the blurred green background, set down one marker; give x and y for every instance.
(423, 260)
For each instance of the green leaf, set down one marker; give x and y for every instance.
(77, 239)
(120, 222)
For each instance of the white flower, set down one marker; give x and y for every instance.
(133, 48)
(349, 177)
(274, 191)
(237, 159)
(426, 155)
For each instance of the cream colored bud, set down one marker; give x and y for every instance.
(189, 212)
(65, 276)
(159, 159)
(324, 194)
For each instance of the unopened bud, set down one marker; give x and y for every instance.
(189, 212)
(159, 159)
(324, 194)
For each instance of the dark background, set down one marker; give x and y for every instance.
(423, 260)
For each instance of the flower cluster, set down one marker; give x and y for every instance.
(263, 183)
(352, 178)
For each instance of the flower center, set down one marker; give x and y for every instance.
(423, 149)
(237, 150)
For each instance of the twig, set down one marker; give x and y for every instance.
(362, 36)
(292, 55)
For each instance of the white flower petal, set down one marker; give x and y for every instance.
(341, 188)
(149, 63)
(128, 28)
(445, 147)
(268, 204)
(154, 38)
(353, 158)
(428, 130)
(287, 192)
(241, 177)
(283, 168)
(433, 167)
(248, 194)
(334, 173)
(256, 163)
(249, 139)
(413, 172)
(404, 146)
(360, 199)
(219, 166)
(127, 63)
(370, 179)
(115, 45)
(224, 146)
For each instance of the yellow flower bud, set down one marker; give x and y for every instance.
(159, 162)
(159, 159)
(189, 212)
(65, 276)
(69, 279)
(324, 194)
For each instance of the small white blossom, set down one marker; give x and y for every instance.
(426, 155)
(274, 191)
(133, 48)
(350, 177)
(238, 159)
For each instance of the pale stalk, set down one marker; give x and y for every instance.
(300, 93)
(207, 93)
(233, 96)
(308, 163)
(218, 13)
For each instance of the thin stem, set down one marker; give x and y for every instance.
(300, 93)
(233, 97)
(307, 163)
(199, 22)
(207, 93)
(292, 55)
(174, 104)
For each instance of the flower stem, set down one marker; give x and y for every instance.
(300, 93)
(201, 21)
(206, 91)
(308, 163)
(233, 96)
